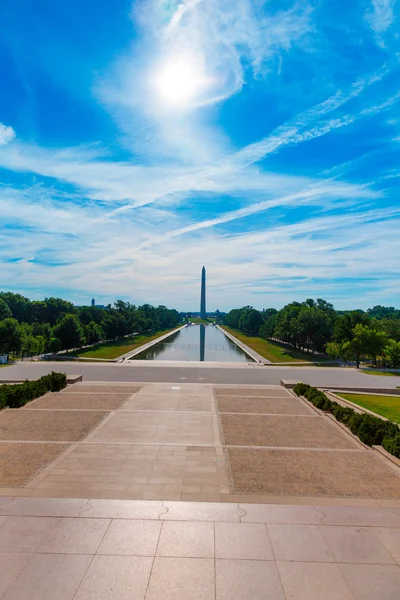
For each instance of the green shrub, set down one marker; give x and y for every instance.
(311, 393)
(392, 444)
(371, 430)
(354, 422)
(391, 429)
(328, 404)
(300, 388)
(319, 399)
(342, 413)
(18, 395)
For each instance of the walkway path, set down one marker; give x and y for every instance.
(335, 534)
(80, 549)
(178, 372)
(188, 442)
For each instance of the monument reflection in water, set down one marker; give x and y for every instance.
(202, 341)
(193, 343)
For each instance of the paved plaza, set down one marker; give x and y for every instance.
(192, 492)
(192, 442)
(81, 549)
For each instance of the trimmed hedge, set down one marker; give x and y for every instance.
(371, 430)
(16, 395)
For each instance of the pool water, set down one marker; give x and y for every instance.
(196, 342)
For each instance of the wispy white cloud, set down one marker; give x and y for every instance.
(308, 124)
(263, 267)
(381, 15)
(7, 134)
(144, 226)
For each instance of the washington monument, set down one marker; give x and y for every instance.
(203, 312)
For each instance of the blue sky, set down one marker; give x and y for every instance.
(139, 141)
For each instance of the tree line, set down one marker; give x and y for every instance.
(314, 326)
(36, 327)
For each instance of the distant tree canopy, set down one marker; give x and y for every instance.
(315, 326)
(53, 324)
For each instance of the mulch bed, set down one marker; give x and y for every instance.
(304, 432)
(20, 462)
(41, 425)
(312, 473)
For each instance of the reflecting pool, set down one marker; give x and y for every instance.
(196, 342)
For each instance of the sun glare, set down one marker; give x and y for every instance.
(179, 82)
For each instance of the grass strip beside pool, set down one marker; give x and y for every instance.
(273, 351)
(119, 347)
(381, 373)
(386, 406)
(199, 321)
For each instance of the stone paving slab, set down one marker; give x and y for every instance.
(156, 427)
(60, 400)
(174, 550)
(284, 431)
(312, 473)
(144, 472)
(31, 425)
(245, 404)
(19, 462)
(164, 402)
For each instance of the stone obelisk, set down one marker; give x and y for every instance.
(203, 312)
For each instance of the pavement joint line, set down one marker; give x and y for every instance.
(183, 445)
(189, 412)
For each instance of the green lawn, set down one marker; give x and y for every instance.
(114, 349)
(199, 321)
(273, 351)
(1, 366)
(381, 373)
(387, 406)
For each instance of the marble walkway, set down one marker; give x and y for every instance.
(81, 549)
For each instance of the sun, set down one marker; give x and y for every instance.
(179, 82)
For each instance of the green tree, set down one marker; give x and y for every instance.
(29, 346)
(250, 321)
(90, 313)
(383, 312)
(10, 336)
(232, 318)
(54, 345)
(5, 312)
(268, 326)
(42, 330)
(374, 342)
(392, 328)
(19, 305)
(56, 308)
(392, 354)
(345, 324)
(342, 351)
(70, 332)
(359, 344)
(93, 333)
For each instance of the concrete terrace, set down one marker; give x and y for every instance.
(186, 442)
(192, 492)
